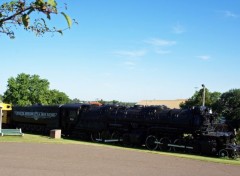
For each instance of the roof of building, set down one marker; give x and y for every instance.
(169, 103)
(95, 103)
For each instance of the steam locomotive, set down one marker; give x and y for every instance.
(192, 130)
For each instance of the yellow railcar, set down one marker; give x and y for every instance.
(6, 110)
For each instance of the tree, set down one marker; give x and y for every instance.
(214, 97)
(229, 104)
(116, 102)
(196, 100)
(28, 15)
(28, 89)
(75, 100)
(57, 97)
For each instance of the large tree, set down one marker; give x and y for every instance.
(229, 104)
(28, 89)
(197, 99)
(32, 15)
(57, 97)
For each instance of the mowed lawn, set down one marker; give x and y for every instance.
(30, 138)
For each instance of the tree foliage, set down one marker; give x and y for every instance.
(75, 100)
(116, 102)
(28, 89)
(226, 104)
(32, 15)
(229, 104)
(57, 97)
(196, 100)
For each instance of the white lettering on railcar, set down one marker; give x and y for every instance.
(35, 115)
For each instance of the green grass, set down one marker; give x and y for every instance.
(29, 138)
(205, 158)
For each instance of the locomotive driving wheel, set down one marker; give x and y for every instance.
(126, 140)
(96, 137)
(179, 145)
(151, 142)
(106, 135)
(164, 144)
(116, 136)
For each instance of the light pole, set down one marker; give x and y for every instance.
(203, 101)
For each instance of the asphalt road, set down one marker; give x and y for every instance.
(27, 159)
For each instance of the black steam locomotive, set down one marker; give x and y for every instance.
(192, 130)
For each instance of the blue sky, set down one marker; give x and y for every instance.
(129, 50)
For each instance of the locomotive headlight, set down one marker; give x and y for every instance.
(210, 111)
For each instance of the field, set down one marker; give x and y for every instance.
(28, 138)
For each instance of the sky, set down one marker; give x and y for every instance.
(132, 50)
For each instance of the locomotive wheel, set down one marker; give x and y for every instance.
(180, 145)
(151, 142)
(234, 155)
(223, 153)
(164, 144)
(96, 137)
(117, 136)
(126, 140)
(106, 135)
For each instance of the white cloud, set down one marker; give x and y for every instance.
(156, 45)
(159, 51)
(230, 14)
(178, 29)
(137, 53)
(204, 57)
(161, 42)
(160, 46)
(130, 65)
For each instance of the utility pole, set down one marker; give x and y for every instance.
(203, 101)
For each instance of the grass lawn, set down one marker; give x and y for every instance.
(29, 138)
(32, 138)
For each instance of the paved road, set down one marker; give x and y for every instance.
(25, 159)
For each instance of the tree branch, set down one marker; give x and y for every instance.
(16, 14)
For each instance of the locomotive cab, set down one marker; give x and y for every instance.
(203, 118)
(70, 115)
